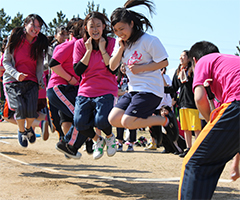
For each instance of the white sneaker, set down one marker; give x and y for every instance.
(98, 148)
(111, 145)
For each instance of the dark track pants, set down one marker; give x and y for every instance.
(217, 143)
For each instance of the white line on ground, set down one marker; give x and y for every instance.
(105, 177)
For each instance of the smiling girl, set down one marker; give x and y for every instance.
(23, 62)
(144, 56)
(98, 85)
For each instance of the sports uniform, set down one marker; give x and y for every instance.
(219, 141)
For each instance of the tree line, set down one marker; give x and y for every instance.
(7, 23)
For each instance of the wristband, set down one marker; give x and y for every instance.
(104, 53)
(70, 78)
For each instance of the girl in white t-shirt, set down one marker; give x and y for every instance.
(143, 56)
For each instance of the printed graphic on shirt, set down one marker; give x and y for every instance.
(135, 58)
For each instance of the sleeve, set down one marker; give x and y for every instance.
(79, 68)
(62, 52)
(156, 49)
(115, 48)
(78, 51)
(53, 63)
(201, 73)
(8, 66)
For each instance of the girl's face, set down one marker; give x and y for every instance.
(184, 59)
(164, 112)
(95, 28)
(61, 36)
(32, 29)
(123, 30)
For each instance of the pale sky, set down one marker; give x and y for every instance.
(177, 23)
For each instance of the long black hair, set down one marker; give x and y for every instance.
(104, 20)
(125, 15)
(18, 34)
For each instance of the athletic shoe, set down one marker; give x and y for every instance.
(22, 139)
(182, 155)
(67, 157)
(98, 148)
(130, 148)
(120, 147)
(89, 146)
(44, 128)
(31, 135)
(151, 146)
(68, 150)
(172, 127)
(111, 145)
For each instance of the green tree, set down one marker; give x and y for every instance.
(4, 19)
(91, 8)
(16, 21)
(60, 20)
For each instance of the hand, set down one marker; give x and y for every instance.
(88, 44)
(22, 77)
(102, 45)
(121, 43)
(73, 81)
(135, 69)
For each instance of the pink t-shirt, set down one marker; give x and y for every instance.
(23, 62)
(224, 70)
(97, 80)
(63, 54)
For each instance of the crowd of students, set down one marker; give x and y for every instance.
(69, 82)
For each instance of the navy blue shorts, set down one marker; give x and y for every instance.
(139, 104)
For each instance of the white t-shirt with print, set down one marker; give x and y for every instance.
(147, 49)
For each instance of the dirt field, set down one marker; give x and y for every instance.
(41, 172)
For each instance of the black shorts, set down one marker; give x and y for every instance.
(139, 104)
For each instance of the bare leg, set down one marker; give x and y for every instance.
(66, 126)
(29, 122)
(21, 124)
(135, 123)
(115, 117)
(188, 138)
(197, 134)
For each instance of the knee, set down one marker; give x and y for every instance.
(127, 123)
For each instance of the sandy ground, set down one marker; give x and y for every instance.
(41, 172)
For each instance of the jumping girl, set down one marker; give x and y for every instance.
(23, 63)
(144, 56)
